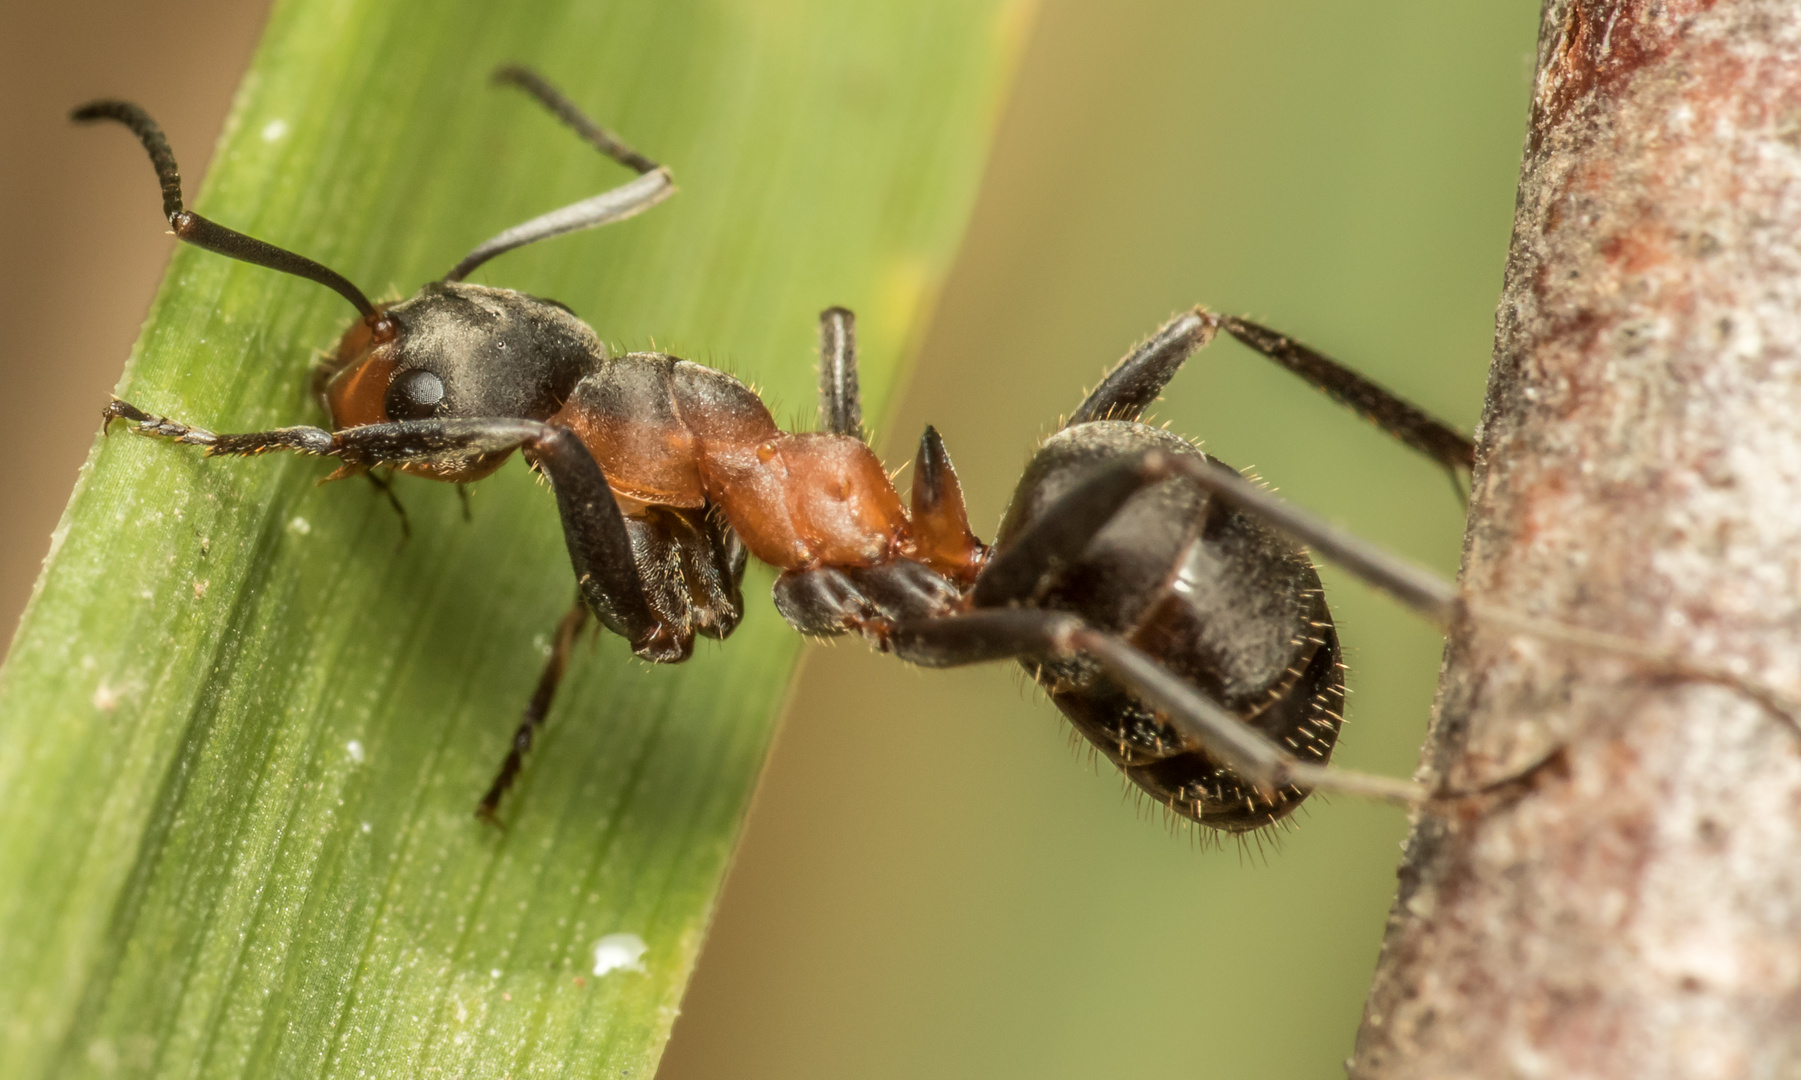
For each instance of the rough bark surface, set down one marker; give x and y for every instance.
(1632, 908)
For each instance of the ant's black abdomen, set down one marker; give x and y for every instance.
(1220, 599)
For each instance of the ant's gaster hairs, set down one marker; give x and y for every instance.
(211, 235)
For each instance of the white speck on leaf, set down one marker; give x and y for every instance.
(106, 698)
(619, 952)
(355, 750)
(274, 130)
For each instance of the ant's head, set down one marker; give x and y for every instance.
(459, 351)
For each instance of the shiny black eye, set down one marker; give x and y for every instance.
(414, 395)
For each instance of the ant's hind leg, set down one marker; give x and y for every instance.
(1435, 598)
(981, 636)
(537, 709)
(1058, 536)
(840, 411)
(1420, 589)
(1392, 413)
(1135, 381)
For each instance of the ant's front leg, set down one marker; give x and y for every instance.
(384, 486)
(413, 442)
(594, 530)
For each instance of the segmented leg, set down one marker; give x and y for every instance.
(1399, 417)
(594, 531)
(988, 635)
(1135, 382)
(537, 709)
(1057, 538)
(385, 486)
(840, 411)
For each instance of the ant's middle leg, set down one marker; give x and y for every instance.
(988, 635)
(690, 566)
(384, 485)
(568, 629)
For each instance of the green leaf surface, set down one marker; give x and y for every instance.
(243, 726)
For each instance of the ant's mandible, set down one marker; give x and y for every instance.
(1159, 597)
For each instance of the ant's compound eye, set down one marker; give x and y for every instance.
(414, 395)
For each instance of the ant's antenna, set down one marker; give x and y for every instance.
(211, 235)
(565, 110)
(652, 186)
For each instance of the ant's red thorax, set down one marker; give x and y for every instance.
(808, 499)
(796, 500)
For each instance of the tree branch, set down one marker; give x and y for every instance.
(1632, 907)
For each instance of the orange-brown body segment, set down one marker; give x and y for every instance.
(941, 536)
(796, 500)
(356, 382)
(806, 500)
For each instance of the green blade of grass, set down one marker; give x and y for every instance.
(243, 728)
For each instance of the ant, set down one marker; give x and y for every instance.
(1162, 600)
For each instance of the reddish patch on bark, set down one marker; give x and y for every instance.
(1602, 46)
(1637, 248)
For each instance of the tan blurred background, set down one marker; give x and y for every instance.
(933, 883)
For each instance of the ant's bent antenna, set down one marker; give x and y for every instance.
(565, 110)
(210, 235)
(653, 185)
